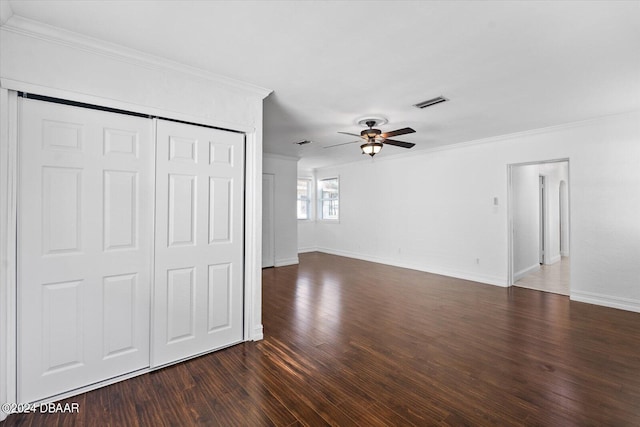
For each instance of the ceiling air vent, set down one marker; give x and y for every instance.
(430, 102)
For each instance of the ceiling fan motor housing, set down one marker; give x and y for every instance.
(370, 133)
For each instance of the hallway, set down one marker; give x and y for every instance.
(550, 278)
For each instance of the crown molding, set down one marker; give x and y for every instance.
(38, 30)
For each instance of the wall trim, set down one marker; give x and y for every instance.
(606, 300)
(258, 333)
(308, 249)
(286, 261)
(458, 274)
(253, 235)
(553, 260)
(520, 274)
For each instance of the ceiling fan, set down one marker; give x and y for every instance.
(375, 139)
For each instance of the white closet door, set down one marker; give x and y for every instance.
(85, 251)
(198, 294)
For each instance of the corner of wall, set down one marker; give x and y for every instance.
(520, 274)
(286, 261)
(553, 260)
(305, 250)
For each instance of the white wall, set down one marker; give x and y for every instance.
(46, 61)
(285, 170)
(525, 202)
(434, 211)
(526, 220)
(307, 236)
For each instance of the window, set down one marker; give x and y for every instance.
(329, 199)
(304, 199)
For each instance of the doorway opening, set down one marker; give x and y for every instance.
(539, 226)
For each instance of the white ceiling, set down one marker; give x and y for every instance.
(505, 66)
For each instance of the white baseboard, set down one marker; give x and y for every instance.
(520, 274)
(553, 260)
(564, 254)
(308, 249)
(606, 300)
(465, 275)
(286, 261)
(257, 333)
(580, 296)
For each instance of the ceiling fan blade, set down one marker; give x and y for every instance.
(397, 132)
(344, 143)
(352, 134)
(398, 143)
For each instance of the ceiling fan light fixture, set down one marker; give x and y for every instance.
(371, 148)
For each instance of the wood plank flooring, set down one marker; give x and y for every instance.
(351, 343)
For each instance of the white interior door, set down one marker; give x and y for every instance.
(268, 249)
(85, 251)
(198, 294)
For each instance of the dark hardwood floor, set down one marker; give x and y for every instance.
(354, 343)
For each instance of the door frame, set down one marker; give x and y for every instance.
(542, 197)
(8, 244)
(510, 225)
(252, 330)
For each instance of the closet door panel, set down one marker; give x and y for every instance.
(198, 292)
(85, 246)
